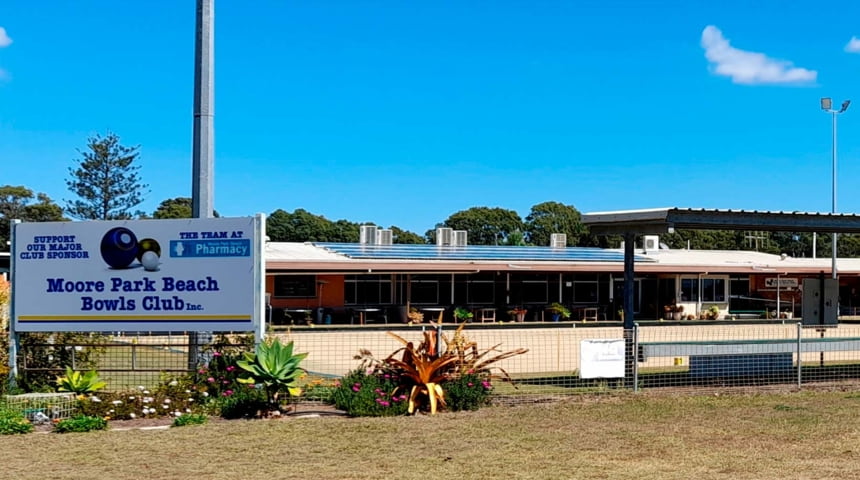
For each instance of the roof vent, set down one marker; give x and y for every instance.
(384, 236)
(558, 240)
(461, 238)
(444, 237)
(367, 234)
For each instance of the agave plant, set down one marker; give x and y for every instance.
(80, 383)
(274, 366)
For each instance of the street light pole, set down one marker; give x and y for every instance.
(827, 106)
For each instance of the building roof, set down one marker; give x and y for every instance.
(666, 220)
(342, 258)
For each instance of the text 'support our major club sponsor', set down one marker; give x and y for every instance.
(137, 274)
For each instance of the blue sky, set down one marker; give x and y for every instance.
(402, 113)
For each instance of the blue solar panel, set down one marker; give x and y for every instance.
(476, 252)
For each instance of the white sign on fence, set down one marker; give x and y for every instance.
(201, 274)
(601, 358)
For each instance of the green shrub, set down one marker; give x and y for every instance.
(12, 422)
(374, 395)
(243, 403)
(45, 354)
(320, 390)
(468, 392)
(190, 419)
(172, 397)
(80, 423)
(80, 383)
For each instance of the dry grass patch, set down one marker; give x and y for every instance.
(801, 435)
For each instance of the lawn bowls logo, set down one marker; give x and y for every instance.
(120, 248)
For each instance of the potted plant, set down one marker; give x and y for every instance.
(462, 314)
(518, 314)
(559, 311)
(713, 312)
(679, 312)
(415, 316)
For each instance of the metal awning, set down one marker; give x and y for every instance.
(666, 220)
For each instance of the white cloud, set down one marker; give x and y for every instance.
(749, 68)
(5, 41)
(853, 45)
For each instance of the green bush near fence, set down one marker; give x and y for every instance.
(80, 424)
(13, 422)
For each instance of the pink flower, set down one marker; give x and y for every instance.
(470, 384)
(210, 380)
(216, 354)
(230, 368)
(227, 393)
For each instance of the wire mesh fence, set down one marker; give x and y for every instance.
(561, 359)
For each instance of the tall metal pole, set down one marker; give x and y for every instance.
(629, 325)
(203, 149)
(202, 198)
(833, 209)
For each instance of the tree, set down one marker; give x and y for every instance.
(303, 226)
(179, 207)
(106, 181)
(16, 202)
(486, 226)
(405, 236)
(554, 217)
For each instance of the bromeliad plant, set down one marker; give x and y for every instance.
(275, 367)
(79, 383)
(424, 369)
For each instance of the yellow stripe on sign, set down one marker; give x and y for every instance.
(190, 318)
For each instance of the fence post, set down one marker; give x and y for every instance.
(635, 357)
(799, 360)
(14, 342)
(134, 353)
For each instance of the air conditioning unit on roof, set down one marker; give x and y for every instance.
(367, 234)
(650, 243)
(384, 236)
(461, 238)
(444, 236)
(558, 240)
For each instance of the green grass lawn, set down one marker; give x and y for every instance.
(622, 436)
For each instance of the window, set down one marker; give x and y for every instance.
(425, 292)
(689, 289)
(585, 289)
(367, 290)
(295, 286)
(535, 290)
(481, 290)
(713, 289)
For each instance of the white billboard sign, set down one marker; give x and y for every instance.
(601, 358)
(202, 274)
